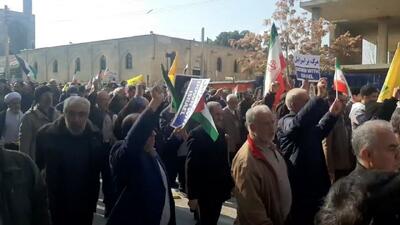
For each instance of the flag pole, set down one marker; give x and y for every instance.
(334, 81)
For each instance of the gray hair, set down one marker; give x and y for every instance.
(252, 112)
(292, 95)
(230, 97)
(366, 135)
(212, 105)
(76, 100)
(395, 121)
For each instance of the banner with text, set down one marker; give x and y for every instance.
(307, 67)
(194, 92)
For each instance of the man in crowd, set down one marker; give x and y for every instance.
(232, 125)
(71, 152)
(300, 134)
(100, 116)
(358, 116)
(10, 121)
(209, 181)
(139, 175)
(262, 185)
(41, 114)
(339, 155)
(369, 195)
(55, 90)
(23, 198)
(244, 105)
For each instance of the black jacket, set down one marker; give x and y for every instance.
(72, 165)
(207, 166)
(300, 141)
(23, 198)
(138, 178)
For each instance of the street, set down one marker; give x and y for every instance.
(183, 214)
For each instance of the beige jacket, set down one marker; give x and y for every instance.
(256, 190)
(32, 120)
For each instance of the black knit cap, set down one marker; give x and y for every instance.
(40, 90)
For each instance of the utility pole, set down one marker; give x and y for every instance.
(202, 72)
(6, 43)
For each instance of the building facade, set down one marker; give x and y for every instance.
(127, 57)
(18, 28)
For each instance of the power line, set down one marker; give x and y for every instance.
(152, 11)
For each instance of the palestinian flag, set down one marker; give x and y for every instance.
(275, 65)
(339, 81)
(27, 69)
(176, 101)
(203, 116)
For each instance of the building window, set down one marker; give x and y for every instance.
(55, 66)
(219, 64)
(77, 65)
(128, 61)
(103, 63)
(35, 66)
(235, 66)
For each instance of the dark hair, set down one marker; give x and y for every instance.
(135, 105)
(117, 103)
(368, 90)
(355, 91)
(40, 90)
(353, 200)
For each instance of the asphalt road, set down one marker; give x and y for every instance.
(183, 214)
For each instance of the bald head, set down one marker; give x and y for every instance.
(296, 99)
(260, 123)
(232, 101)
(216, 112)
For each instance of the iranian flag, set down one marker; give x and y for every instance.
(339, 81)
(203, 116)
(275, 65)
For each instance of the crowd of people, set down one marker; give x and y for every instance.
(319, 158)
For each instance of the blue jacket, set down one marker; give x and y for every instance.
(138, 178)
(300, 141)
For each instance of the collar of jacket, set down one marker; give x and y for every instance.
(41, 115)
(254, 150)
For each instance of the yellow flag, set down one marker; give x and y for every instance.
(392, 78)
(136, 80)
(172, 70)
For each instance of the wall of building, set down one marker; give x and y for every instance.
(148, 53)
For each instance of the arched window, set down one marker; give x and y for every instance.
(103, 62)
(219, 64)
(35, 66)
(55, 66)
(77, 65)
(235, 66)
(128, 61)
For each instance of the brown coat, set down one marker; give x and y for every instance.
(232, 126)
(256, 190)
(32, 120)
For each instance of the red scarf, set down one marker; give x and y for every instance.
(255, 151)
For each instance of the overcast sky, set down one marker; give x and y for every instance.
(62, 21)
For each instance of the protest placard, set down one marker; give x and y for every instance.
(193, 94)
(307, 67)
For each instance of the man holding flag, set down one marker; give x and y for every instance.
(209, 182)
